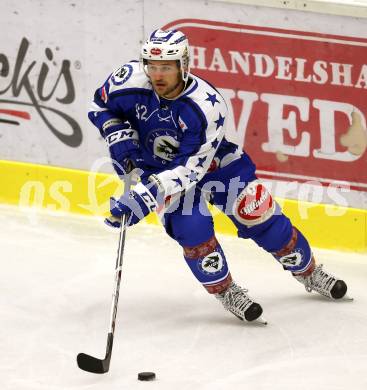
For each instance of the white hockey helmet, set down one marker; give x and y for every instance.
(167, 45)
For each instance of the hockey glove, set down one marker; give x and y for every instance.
(123, 144)
(128, 164)
(137, 204)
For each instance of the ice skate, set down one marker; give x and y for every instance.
(324, 283)
(236, 300)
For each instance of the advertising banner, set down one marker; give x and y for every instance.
(297, 101)
(295, 83)
(53, 56)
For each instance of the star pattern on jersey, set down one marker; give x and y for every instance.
(178, 182)
(215, 143)
(201, 161)
(220, 121)
(192, 176)
(212, 98)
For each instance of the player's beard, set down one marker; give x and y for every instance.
(179, 81)
(169, 90)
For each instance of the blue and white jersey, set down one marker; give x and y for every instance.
(180, 139)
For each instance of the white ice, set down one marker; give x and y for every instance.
(57, 275)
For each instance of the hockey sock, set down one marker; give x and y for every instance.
(208, 264)
(309, 270)
(296, 256)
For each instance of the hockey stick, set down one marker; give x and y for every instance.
(90, 363)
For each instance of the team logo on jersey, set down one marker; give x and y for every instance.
(164, 144)
(122, 74)
(212, 264)
(293, 259)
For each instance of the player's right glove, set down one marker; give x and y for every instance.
(124, 147)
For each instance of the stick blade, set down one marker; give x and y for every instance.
(92, 364)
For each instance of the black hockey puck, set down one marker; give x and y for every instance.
(146, 376)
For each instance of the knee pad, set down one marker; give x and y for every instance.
(296, 256)
(208, 264)
(254, 205)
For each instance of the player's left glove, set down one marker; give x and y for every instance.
(137, 204)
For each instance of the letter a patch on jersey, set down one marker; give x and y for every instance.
(182, 124)
(104, 95)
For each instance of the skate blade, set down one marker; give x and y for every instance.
(261, 321)
(347, 298)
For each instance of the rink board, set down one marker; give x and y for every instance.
(277, 68)
(82, 192)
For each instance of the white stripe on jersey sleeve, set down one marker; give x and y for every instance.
(96, 108)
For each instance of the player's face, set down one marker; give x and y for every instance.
(165, 77)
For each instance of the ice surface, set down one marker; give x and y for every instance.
(57, 276)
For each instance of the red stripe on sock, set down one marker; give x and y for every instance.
(201, 250)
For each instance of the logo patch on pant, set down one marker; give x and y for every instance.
(254, 205)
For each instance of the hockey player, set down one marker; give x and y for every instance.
(159, 117)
